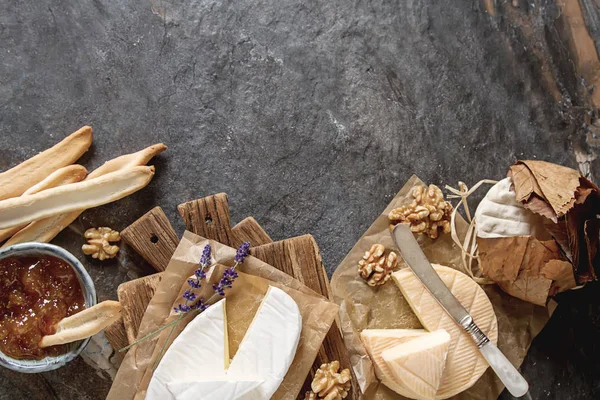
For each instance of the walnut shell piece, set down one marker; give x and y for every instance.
(375, 267)
(329, 384)
(428, 213)
(99, 243)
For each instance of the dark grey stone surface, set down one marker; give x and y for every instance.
(310, 115)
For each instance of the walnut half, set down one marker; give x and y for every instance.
(428, 213)
(375, 267)
(329, 384)
(98, 245)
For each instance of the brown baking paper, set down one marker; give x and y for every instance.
(384, 307)
(242, 302)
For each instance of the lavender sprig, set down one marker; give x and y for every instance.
(194, 282)
(198, 305)
(205, 259)
(242, 253)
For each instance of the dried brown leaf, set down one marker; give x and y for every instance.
(561, 273)
(496, 262)
(533, 290)
(525, 267)
(524, 182)
(559, 233)
(529, 192)
(557, 183)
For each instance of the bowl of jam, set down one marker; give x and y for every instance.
(40, 284)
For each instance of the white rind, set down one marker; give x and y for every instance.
(217, 389)
(499, 214)
(465, 363)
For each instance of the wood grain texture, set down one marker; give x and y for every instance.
(152, 237)
(116, 336)
(134, 297)
(249, 230)
(208, 217)
(300, 257)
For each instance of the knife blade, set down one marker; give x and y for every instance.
(417, 261)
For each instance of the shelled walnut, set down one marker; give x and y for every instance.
(99, 243)
(329, 384)
(375, 267)
(428, 213)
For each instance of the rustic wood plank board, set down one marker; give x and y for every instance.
(300, 257)
(134, 297)
(208, 217)
(249, 230)
(152, 237)
(116, 336)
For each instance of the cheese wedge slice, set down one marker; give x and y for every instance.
(465, 364)
(218, 389)
(270, 344)
(418, 365)
(376, 341)
(196, 365)
(199, 352)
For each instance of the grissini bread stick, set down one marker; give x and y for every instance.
(46, 229)
(140, 158)
(84, 324)
(75, 196)
(17, 180)
(63, 176)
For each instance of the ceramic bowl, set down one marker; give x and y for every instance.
(89, 296)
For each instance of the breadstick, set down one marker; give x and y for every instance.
(75, 196)
(17, 180)
(46, 229)
(63, 176)
(140, 158)
(84, 324)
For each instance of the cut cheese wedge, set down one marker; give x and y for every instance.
(376, 341)
(197, 363)
(418, 365)
(199, 351)
(465, 364)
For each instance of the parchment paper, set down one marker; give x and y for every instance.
(243, 300)
(364, 307)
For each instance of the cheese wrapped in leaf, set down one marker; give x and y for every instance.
(499, 214)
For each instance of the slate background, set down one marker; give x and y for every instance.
(310, 115)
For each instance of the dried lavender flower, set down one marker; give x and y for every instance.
(205, 259)
(226, 281)
(182, 308)
(189, 295)
(194, 283)
(242, 252)
(200, 274)
(200, 305)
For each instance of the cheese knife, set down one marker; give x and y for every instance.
(417, 261)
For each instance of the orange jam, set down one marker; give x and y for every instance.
(35, 293)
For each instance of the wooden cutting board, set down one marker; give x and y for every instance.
(209, 217)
